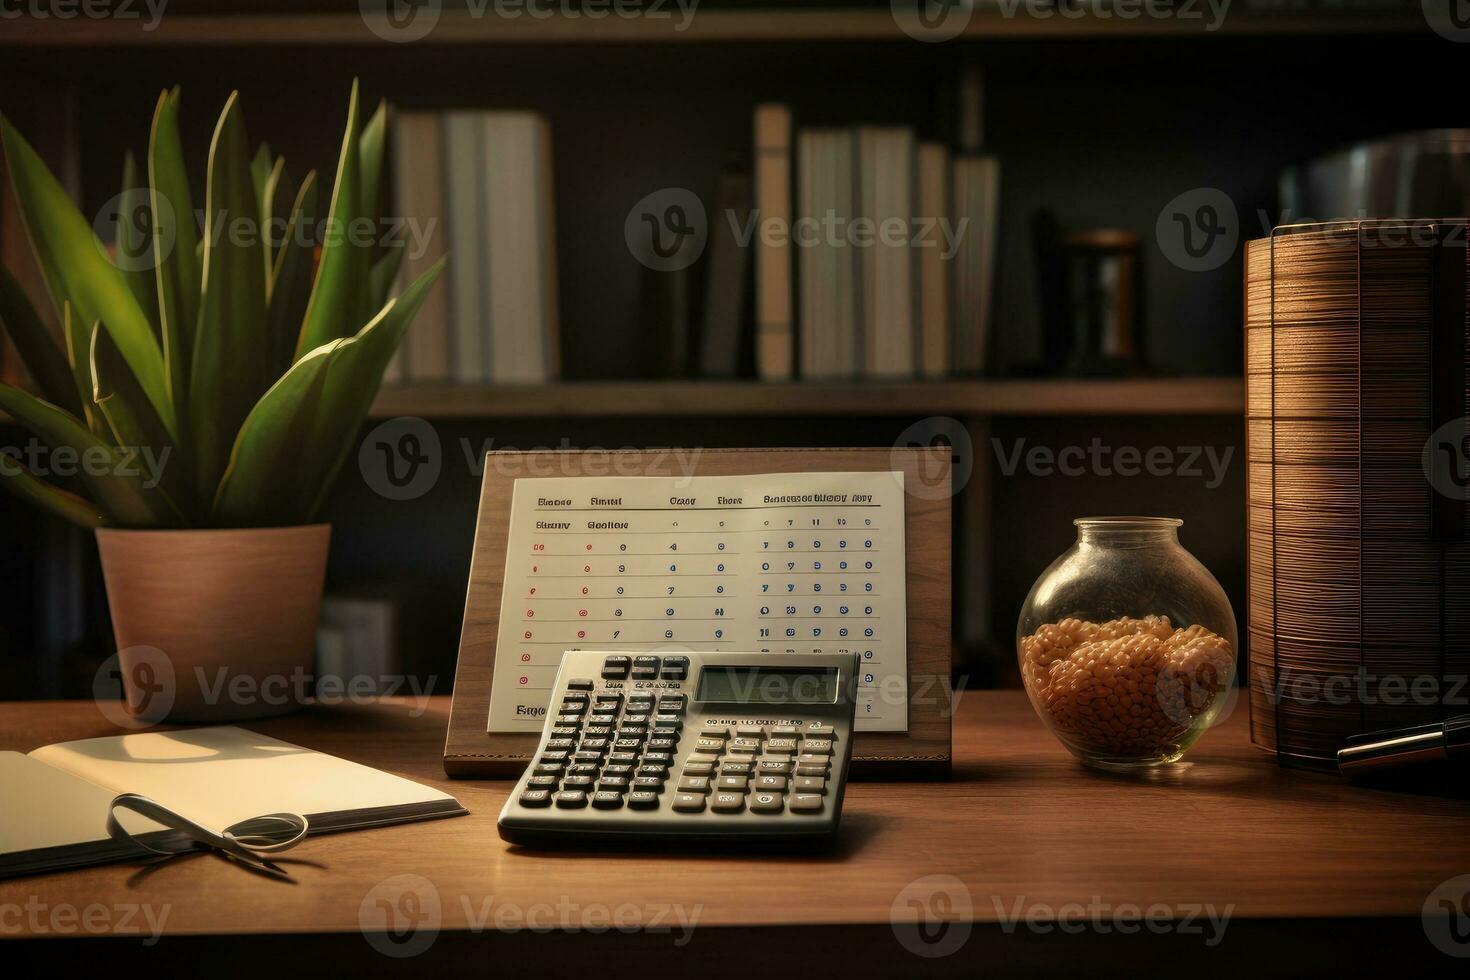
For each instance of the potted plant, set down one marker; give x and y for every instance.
(211, 381)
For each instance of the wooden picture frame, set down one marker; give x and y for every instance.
(923, 751)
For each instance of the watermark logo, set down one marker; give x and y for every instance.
(401, 458)
(1199, 229)
(1097, 459)
(667, 230)
(1186, 919)
(1446, 917)
(126, 220)
(932, 21)
(150, 12)
(1446, 459)
(144, 676)
(35, 917)
(400, 916)
(933, 915)
(400, 21)
(1209, 13)
(1450, 19)
(936, 431)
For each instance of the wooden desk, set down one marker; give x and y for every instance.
(1311, 870)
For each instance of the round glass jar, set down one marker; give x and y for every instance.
(1127, 644)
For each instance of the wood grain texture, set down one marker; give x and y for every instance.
(924, 751)
(753, 399)
(1020, 819)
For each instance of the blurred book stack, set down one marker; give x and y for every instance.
(882, 259)
(479, 186)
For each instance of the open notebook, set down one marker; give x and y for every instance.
(54, 813)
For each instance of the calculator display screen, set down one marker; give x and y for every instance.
(768, 685)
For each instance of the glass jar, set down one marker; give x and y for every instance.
(1127, 644)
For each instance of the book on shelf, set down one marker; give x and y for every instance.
(828, 268)
(418, 194)
(775, 338)
(934, 265)
(724, 294)
(976, 209)
(489, 176)
(886, 202)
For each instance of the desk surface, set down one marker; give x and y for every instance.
(1020, 825)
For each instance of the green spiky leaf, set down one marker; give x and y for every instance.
(16, 479)
(231, 364)
(130, 418)
(291, 277)
(77, 269)
(133, 240)
(43, 357)
(177, 246)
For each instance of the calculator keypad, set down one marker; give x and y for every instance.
(753, 769)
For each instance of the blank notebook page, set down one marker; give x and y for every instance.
(220, 776)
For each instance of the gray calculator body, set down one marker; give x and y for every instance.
(697, 746)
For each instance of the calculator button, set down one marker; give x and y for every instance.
(711, 758)
(579, 684)
(784, 731)
(675, 668)
(658, 758)
(588, 757)
(773, 767)
(560, 744)
(582, 769)
(574, 721)
(694, 784)
(733, 783)
(727, 802)
(766, 803)
(812, 759)
(615, 784)
(549, 768)
(774, 784)
(706, 744)
(598, 745)
(608, 702)
(602, 719)
(749, 731)
(571, 799)
(536, 797)
(665, 731)
(782, 746)
(653, 769)
(640, 702)
(698, 768)
(735, 767)
(671, 702)
(577, 782)
(817, 730)
(626, 744)
(653, 784)
(806, 803)
(662, 744)
(713, 729)
(570, 707)
(811, 771)
(597, 731)
(623, 759)
(614, 667)
(607, 799)
(745, 745)
(809, 784)
(645, 668)
(642, 800)
(542, 782)
(668, 721)
(689, 802)
(624, 771)
(635, 721)
(816, 746)
(564, 731)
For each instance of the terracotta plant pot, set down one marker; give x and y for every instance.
(215, 626)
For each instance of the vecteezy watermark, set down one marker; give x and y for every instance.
(1450, 19)
(1184, 919)
(932, 20)
(35, 917)
(1097, 459)
(1446, 459)
(932, 916)
(142, 462)
(667, 230)
(1367, 688)
(403, 21)
(1446, 917)
(150, 12)
(401, 916)
(1199, 229)
(402, 459)
(135, 687)
(1209, 13)
(125, 230)
(933, 482)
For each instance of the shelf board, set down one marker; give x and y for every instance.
(753, 399)
(728, 26)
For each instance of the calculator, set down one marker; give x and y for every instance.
(717, 747)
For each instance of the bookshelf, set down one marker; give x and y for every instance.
(1224, 396)
(842, 24)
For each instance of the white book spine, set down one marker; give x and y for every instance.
(465, 163)
(934, 260)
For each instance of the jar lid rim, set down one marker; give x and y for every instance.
(1138, 523)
